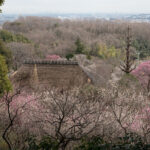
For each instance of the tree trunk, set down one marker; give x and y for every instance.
(6, 140)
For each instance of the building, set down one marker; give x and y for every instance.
(50, 73)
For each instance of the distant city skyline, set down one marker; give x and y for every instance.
(75, 6)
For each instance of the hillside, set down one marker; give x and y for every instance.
(56, 36)
(104, 103)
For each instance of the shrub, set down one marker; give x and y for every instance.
(94, 143)
(88, 56)
(46, 143)
(69, 56)
(131, 141)
(129, 81)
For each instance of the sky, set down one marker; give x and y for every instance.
(75, 6)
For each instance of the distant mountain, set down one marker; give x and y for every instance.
(127, 17)
(7, 17)
(139, 17)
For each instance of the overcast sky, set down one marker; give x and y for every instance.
(76, 6)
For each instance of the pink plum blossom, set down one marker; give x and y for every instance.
(53, 57)
(142, 73)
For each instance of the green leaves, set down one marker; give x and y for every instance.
(142, 46)
(105, 52)
(6, 53)
(48, 144)
(69, 56)
(80, 48)
(45, 144)
(5, 85)
(130, 141)
(1, 3)
(94, 143)
(7, 37)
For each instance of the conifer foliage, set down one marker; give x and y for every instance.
(127, 66)
(1, 3)
(6, 53)
(80, 48)
(5, 85)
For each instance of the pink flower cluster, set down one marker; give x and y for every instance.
(142, 73)
(23, 104)
(142, 120)
(53, 57)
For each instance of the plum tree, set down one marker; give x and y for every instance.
(142, 73)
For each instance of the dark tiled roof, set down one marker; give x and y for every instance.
(51, 62)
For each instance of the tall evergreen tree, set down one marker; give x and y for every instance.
(4, 51)
(128, 65)
(5, 85)
(1, 3)
(80, 48)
